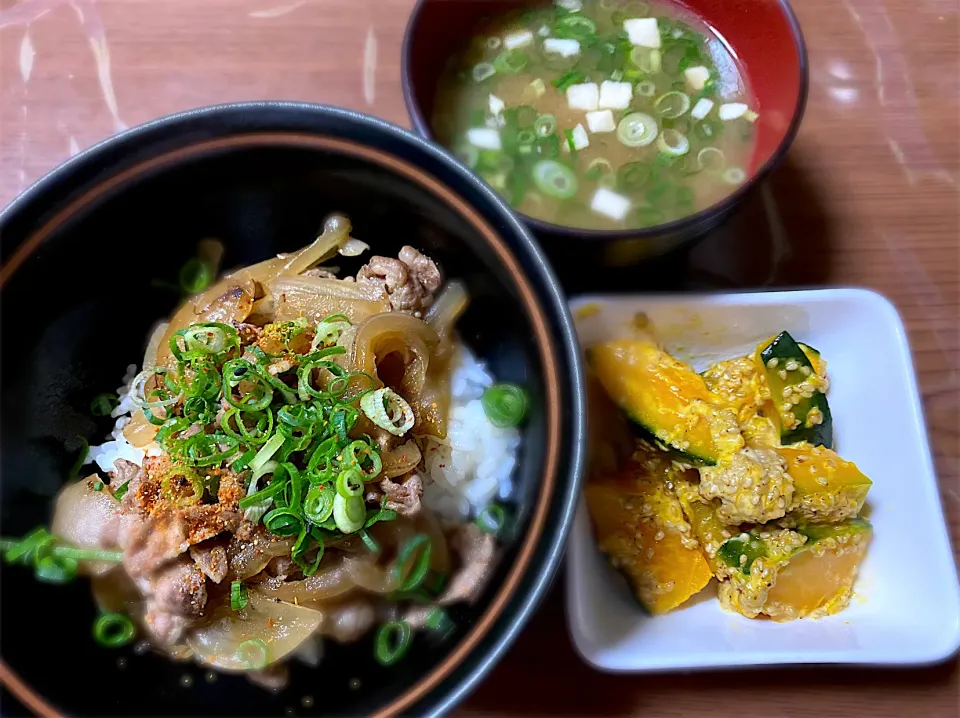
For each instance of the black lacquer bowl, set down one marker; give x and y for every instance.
(81, 251)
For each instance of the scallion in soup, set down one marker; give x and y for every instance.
(600, 114)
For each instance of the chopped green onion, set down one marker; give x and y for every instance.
(493, 42)
(568, 79)
(657, 191)
(369, 541)
(598, 167)
(647, 60)
(505, 404)
(81, 457)
(329, 330)
(646, 88)
(632, 176)
(195, 276)
(482, 71)
(637, 129)
(492, 519)
(103, 404)
(114, 630)
(392, 642)
(571, 142)
(734, 175)
(672, 105)
(575, 27)
(685, 196)
(350, 483)
(121, 490)
(554, 179)
(525, 115)
(706, 129)
(238, 596)
(253, 654)
(267, 451)
(413, 562)
(350, 514)
(548, 147)
(283, 522)
(98, 485)
(438, 621)
(545, 125)
(388, 410)
(318, 505)
(526, 137)
(673, 143)
(511, 61)
(711, 158)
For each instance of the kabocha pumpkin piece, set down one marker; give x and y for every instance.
(816, 359)
(787, 574)
(827, 488)
(818, 580)
(666, 399)
(740, 384)
(610, 441)
(701, 514)
(640, 526)
(743, 387)
(753, 486)
(797, 390)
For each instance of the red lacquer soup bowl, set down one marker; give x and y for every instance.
(763, 35)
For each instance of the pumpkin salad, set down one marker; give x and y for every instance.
(729, 474)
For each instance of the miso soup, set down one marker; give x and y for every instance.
(600, 114)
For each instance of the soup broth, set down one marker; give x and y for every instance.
(600, 114)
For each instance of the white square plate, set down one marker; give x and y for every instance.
(906, 606)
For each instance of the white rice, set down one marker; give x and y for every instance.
(463, 474)
(473, 466)
(117, 446)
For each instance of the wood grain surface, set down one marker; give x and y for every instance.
(868, 196)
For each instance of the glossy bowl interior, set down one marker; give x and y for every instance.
(762, 34)
(82, 253)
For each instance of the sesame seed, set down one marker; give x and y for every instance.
(660, 536)
(772, 363)
(650, 553)
(792, 365)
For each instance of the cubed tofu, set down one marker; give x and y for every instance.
(701, 109)
(584, 97)
(496, 105)
(517, 39)
(732, 110)
(610, 204)
(615, 95)
(580, 139)
(643, 31)
(484, 138)
(601, 121)
(561, 46)
(697, 77)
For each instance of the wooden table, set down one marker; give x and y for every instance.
(868, 196)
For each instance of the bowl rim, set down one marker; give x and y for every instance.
(541, 548)
(678, 226)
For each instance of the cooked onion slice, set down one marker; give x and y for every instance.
(282, 627)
